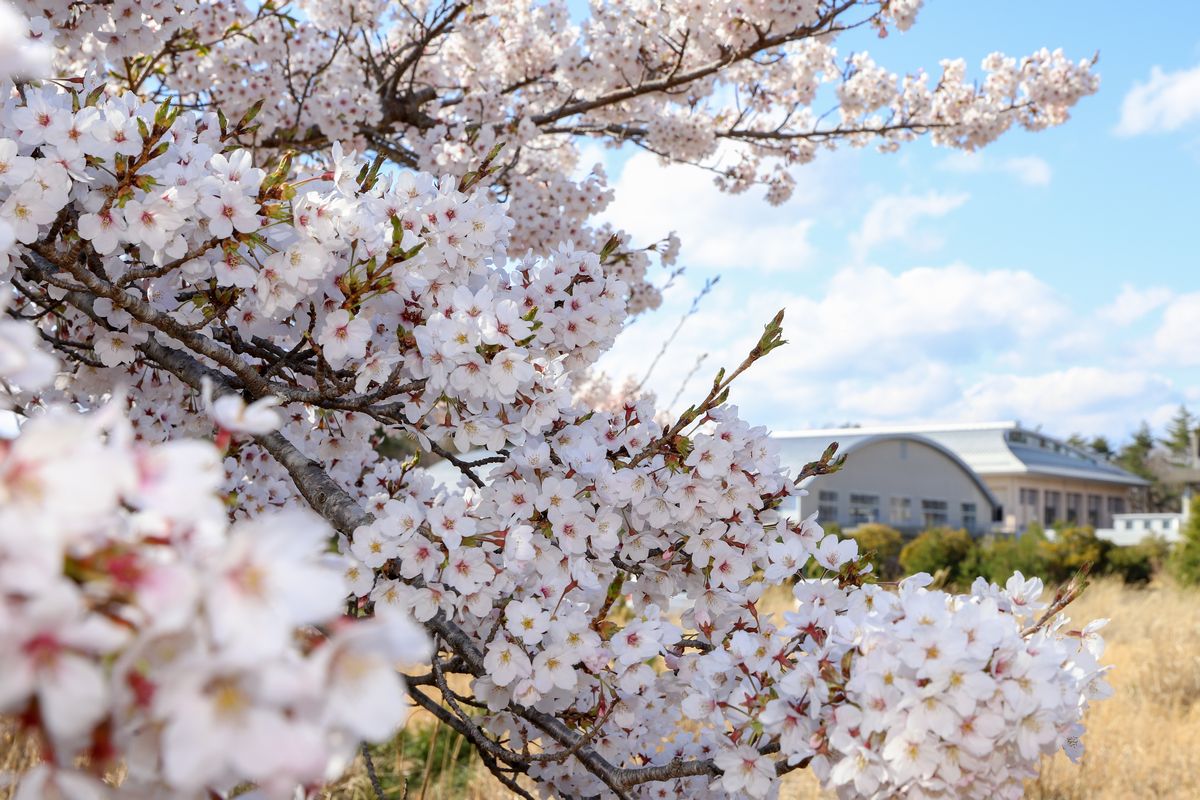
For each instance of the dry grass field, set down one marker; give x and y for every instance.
(1143, 743)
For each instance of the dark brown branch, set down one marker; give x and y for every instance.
(369, 762)
(677, 79)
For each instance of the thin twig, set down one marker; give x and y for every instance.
(686, 380)
(376, 786)
(708, 285)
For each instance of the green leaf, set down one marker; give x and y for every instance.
(250, 114)
(609, 247)
(162, 115)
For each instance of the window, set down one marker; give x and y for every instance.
(1093, 510)
(1029, 505)
(933, 512)
(1116, 505)
(901, 510)
(864, 508)
(1053, 510)
(968, 516)
(1074, 501)
(828, 510)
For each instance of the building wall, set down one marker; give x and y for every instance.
(915, 486)
(1027, 498)
(1133, 528)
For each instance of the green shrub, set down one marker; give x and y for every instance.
(1134, 564)
(1159, 551)
(882, 543)
(940, 549)
(997, 557)
(1053, 559)
(421, 756)
(1070, 549)
(1185, 556)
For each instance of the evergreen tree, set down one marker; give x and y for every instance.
(1185, 558)
(1179, 432)
(1133, 457)
(1097, 444)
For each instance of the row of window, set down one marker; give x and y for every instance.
(1019, 437)
(866, 508)
(1157, 524)
(1053, 510)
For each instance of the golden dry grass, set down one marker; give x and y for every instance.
(1142, 743)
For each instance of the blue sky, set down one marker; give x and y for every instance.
(1051, 278)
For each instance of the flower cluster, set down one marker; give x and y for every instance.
(573, 561)
(253, 330)
(950, 696)
(136, 623)
(403, 248)
(531, 76)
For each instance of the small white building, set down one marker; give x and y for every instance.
(1132, 528)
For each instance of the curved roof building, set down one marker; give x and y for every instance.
(1027, 476)
(905, 480)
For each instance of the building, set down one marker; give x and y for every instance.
(905, 480)
(1132, 528)
(1129, 529)
(1029, 476)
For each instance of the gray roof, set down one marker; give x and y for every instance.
(994, 448)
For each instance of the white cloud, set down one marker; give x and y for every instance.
(866, 325)
(719, 231)
(1132, 304)
(1166, 102)
(964, 162)
(931, 344)
(1177, 340)
(894, 218)
(1076, 399)
(904, 395)
(726, 327)
(869, 317)
(1029, 170)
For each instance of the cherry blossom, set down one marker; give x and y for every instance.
(233, 414)
(269, 276)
